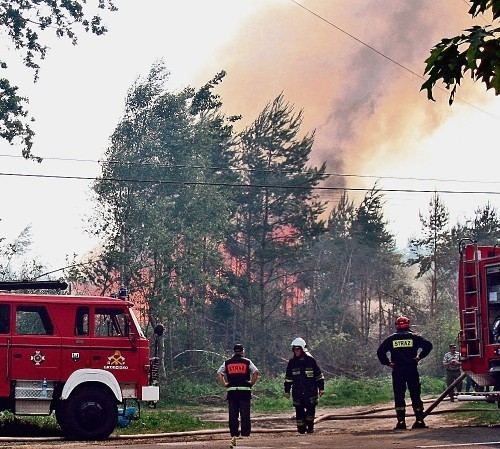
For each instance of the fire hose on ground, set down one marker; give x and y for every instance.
(373, 413)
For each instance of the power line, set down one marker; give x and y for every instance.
(252, 186)
(358, 40)
(387, 57)
(235, 169)
(482, 15)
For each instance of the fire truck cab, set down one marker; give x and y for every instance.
(79, 356)
(479, 305)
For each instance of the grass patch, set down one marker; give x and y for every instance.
(339, 392)
(33, 426)
(488, 415)
(183, 400)
(150, 421)
(164, 421)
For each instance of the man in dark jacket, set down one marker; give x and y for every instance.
(406, 349)
(238, 374)
(304, 378)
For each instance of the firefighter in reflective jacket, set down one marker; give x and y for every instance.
(304, 378)
(238, 374)
(406, 350)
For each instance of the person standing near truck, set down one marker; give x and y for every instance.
(238, 375)
(452, 365)
(304, 379)
(406, 349)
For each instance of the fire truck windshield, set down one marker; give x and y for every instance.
(137, 325)
(110, 322)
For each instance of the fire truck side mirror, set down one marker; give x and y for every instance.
(159, 330)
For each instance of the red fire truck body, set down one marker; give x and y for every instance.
(79, 356)
(479, 304)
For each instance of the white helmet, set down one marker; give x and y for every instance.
(299, 342)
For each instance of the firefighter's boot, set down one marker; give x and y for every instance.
(301, 424)
(419, 419)
(401, 424)
(232, 444)
(310, 424)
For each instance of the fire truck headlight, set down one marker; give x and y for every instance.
(146, 368)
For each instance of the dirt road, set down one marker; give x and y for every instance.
(365, 429)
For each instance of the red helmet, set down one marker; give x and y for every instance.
(402, 323)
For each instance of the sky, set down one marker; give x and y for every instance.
(354, 69)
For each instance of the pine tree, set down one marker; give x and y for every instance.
(277, 215)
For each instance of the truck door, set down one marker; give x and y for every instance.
(4, 349)
(113, 349)
(76, 349)
(35, 352)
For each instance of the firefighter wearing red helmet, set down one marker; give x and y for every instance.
(406, 349)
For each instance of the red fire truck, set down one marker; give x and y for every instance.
(79, 356)
(479, 304)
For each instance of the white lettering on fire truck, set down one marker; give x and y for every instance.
(38, 358)
(116, 361)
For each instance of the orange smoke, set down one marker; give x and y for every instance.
(362, 105)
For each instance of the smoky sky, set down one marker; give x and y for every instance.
(352, 89)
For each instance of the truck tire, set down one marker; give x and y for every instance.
(90, 413)
(60, 415)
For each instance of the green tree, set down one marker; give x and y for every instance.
(326, 318)
(430, 251)
(484, 227)
(477, 51)
(435, 253)
(9, 251)
(358, 287)
(13, 262)
(23, 22)
(330, 282)
(165, 207)
(278, 214)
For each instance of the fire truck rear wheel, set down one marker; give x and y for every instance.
(90, 414)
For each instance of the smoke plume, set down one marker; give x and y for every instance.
(355, 86)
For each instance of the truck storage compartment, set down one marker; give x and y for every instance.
(33, 397)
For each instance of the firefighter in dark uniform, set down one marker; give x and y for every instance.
(406, 349)
(238, 374)
(304, 378)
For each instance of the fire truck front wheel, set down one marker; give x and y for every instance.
(90, 413)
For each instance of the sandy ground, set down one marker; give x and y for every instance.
(352, 427)
(361, 418)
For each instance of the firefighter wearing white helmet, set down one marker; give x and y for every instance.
(300, 342)
(306, 382)
(406, 349)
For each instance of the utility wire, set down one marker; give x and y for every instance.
(388, 57)
(482, 15)
(253, 170)
(358, 40)
(344, 175)
(251, 186)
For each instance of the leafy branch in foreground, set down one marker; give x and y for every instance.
(23, 21)
(477, 51)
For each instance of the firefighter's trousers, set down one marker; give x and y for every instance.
(239, 408)
(401, 379)
(304, 415)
